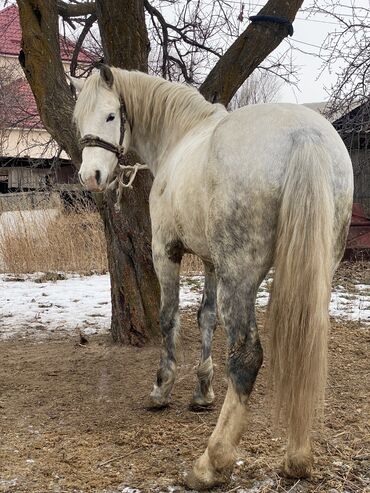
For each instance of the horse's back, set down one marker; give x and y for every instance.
(260, 137)
(250, 151)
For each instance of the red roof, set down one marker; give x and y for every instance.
(18, 108)
(17, 105)
(11, 37)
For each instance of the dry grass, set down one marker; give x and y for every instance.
(191, 265)
(52, 240)
(43, 240)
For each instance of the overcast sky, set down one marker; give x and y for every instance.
(313, 79)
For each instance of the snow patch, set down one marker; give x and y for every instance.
(28, 308)
(8, 482)
(258, 487)
(82, 303)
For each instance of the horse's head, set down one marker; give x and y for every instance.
(100, 120)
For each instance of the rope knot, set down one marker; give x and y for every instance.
(119, 184)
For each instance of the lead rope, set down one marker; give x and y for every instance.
(119, 184)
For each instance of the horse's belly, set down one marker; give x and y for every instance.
(191, 229)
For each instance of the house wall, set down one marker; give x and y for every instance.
(33, 143)
(24, 142)
(11, 66)
(27, 177)
(36, 178)
(11, 62)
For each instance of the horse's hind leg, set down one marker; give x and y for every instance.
(207, 320)
(167, 267)
(236, 294)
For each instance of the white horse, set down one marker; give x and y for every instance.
(266, 185)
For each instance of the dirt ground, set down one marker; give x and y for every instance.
(74, 418)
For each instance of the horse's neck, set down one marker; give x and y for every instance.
(152, 149)
(155, 142)
(156, 149)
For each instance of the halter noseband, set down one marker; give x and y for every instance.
(90, 140)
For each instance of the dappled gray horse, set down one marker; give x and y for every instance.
(266, 185)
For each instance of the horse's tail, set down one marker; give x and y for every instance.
(298, 311)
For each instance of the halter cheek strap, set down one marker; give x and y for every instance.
(90, 140)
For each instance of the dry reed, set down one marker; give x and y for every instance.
(191, 265)
(44, 240)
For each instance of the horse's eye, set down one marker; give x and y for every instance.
(110, 117)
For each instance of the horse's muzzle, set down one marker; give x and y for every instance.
(92, 183)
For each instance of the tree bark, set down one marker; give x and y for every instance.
(123, 33)
(134, 284)
(248, 51)
(41, 62)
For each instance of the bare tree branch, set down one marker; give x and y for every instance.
(40, 49)
(68, 10)
(247, 52)
(346, 51)
(86, 29)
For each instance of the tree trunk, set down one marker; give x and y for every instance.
(41, 62)
(134, 285)
(123, 33)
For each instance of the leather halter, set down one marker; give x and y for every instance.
(90, 140)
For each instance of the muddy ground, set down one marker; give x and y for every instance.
(74, 418)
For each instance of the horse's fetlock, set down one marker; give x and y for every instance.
(244, 363)
(203, 395)
(205, 370)
(298, 463)
(207, 316)
(221, 457)
(166, 375)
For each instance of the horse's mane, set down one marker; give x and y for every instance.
(156, 104)
(87, 98)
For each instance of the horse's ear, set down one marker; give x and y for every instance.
(76, 83)
(107, 75)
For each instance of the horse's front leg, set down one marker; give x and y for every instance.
(207, 321)
(167, 267)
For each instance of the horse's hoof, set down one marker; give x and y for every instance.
(156, 406)
(204, 476)
(157, 401)
(298, 466)
(193, 482)
(202, 402)
(204, 407)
